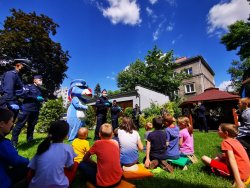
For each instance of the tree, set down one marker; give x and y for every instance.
(238, 38)
(156, 73)
(29, 36)
(236, 71)
(97, 90)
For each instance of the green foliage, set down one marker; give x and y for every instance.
(50, 111)
(157, 73)
(153, 110)
(113, 92)
(173, 108)
(90, 119)
(29, 35)
(238, 37)
(236, 71)
(144, 120)
(128, 112)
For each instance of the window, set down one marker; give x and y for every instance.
(188, 71)
(189, 88)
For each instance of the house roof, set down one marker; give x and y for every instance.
(211, 95)
(193, 59)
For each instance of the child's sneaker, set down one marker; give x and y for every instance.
(167, 166)
(153, 164)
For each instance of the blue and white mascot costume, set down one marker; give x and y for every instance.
(78, 95)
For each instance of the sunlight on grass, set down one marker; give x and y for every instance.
(205, 144)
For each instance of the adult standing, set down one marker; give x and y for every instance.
(244, 128)
(102, 105)
(115, 111)
(202, 121)
(136, 116)
(10, 83)
(29, 110)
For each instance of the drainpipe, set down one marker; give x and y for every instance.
(202, 78)
(138, 95)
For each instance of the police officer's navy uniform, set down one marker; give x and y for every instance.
(102, 105)
(115, 111)
(29, 113)
(10, 83)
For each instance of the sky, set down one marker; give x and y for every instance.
(103, 37)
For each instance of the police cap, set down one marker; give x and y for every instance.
(38, 77)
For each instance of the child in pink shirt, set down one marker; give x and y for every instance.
(186, 140)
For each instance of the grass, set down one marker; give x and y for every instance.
(196, 175)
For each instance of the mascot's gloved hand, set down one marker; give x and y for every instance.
(40, 98)
(14, 106)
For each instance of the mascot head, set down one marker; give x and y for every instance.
(78, 88)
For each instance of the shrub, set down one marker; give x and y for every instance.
(128, 112)
(51, 110)
(90, 119)
(154, 109)
(173, 108)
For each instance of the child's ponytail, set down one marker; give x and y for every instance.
(57, 132)
(44, 146)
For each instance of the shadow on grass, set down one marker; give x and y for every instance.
(27, 145)
(158, 182)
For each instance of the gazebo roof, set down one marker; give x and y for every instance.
(211, 95)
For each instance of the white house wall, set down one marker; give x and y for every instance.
(148, 96)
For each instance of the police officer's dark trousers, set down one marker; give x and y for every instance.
(101, 119)
(23, 117)
(114, 122)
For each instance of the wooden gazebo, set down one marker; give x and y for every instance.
(220, 107)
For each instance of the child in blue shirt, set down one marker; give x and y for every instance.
(51, 158)
(172, 132)
(8, 154)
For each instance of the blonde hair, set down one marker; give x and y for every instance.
(148, 126)
(106, 130)
(185, 121)
(230, 128)
(245, 101)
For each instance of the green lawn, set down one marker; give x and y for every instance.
(195, 176)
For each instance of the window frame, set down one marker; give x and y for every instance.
(191, 91)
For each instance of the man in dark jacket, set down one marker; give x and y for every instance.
(115, 111)
(29, 110)
(136, 116)
(102, 105)
(202, 121)
(10, 83)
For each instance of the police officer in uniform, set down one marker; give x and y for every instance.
(102, 104)
(10, 83)
(115, 111)
(29, 110)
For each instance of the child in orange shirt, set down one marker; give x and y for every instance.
(234, 160)
(107, 172)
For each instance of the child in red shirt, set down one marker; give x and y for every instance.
(107, 172)
(234, 160)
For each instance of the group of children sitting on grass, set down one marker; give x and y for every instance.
(55, 162)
